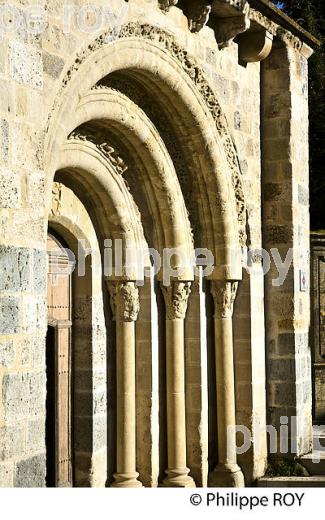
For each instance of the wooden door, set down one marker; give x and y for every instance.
(59, 317)
(318, 325)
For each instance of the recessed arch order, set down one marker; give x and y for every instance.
(154, 56)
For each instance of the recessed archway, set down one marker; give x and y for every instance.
(99, 134)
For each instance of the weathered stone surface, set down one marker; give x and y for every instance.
(23, 394)
(26, 64)
(14, 269)
(35, 435)
(6, 474)
(9, 314)
(39, 270)
(4, 140)
(52, 64)
(31, 472)
(9, 189)
(281, 369)
(7, 353)
(12, 442)
(200, 143)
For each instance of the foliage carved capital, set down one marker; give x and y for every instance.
(125, 302)
(224, 295)
(176, 299)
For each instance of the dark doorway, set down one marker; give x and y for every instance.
(50, 407)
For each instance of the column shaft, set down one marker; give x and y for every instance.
(125, 378)
(175, 394)
(176, 297)
(125, 306)
(227, 473)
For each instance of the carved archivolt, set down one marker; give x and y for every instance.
(176, 299)
(111, 154)
(189, 65)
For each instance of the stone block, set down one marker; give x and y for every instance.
(10, 191)
(7, 353)
(278, 105)
(90, 434)
(5, 95)
(237, 120)
(31, 472)
(29, 147)
(12, 441)
(282, 369)
(25, 63)
(277, 149)
(278, 234)
(36, 188)
(9, 315)
(23, 394)
(4, 140)
(34, 314)
(272, 191)
(35, 435)
(52, 64)
(284, 394)
(38, 351)
(39, 270)
(303, 195)
(14, 269)
(6, 474)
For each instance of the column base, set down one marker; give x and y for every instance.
(126, 480)
(178, 478)
(226, 475)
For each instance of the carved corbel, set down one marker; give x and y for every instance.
(165, 5)
(255, 46)
(198, 13)
(226, 29)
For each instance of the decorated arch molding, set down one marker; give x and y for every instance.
(167, 42)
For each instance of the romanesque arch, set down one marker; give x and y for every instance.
(92, 132)
(153, 55)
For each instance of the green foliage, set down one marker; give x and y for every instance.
(310, 15)
(279, 467)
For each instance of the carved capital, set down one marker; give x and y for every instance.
(176, 298)
(124, 298)
(198, 13)
(165, 5)
(224, 294)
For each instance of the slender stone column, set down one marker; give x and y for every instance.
(125, 306)
(176, 298)
(227, 473)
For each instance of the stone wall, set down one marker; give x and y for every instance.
(34, 71)
(286, 227)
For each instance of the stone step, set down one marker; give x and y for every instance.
(289, 482)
